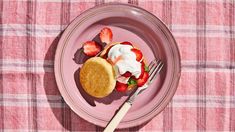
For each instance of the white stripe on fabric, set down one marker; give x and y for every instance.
(219, 63)
(23, 61)
(208, 105)
(208, 35)
(11, 65)
(30, 96)
(28, 130)
(192, 101)
(23, 30)
(26, 104)
(208, 97)
(201, 27)
(10, 69)
(212, 70)
(37, 27)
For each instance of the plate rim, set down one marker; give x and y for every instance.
(58, 57)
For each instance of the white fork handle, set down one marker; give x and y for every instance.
(117, 117)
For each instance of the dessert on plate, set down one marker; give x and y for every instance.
(119, 66)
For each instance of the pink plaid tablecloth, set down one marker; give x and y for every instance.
(204, 31)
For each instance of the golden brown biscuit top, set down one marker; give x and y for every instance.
(97, 77)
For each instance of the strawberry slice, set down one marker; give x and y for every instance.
(138, 54)
(121, 87)
(106, 35)
(126, 74)
(91, 48)
(142, 70)
(141, 81)
(127, 43)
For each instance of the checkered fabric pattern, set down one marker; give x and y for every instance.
(204, 31)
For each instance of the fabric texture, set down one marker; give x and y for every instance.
(204, 31)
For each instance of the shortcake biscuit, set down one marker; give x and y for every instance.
(97, 77)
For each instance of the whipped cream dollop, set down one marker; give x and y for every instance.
(125, 60)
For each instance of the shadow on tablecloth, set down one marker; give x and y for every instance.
(63, 114)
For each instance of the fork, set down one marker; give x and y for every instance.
(155, 67)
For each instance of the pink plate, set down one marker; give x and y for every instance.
(128, 23)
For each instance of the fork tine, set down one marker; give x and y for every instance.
(156, 71)
(151, 63)
(153, 66)
(154, 61)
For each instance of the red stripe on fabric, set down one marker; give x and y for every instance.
(201, 57)
(134, 2)
(30, 53)
(170, 120)
(2, 113)
(232, 119)
(232, 57)
(167, 113)
(66, 117)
